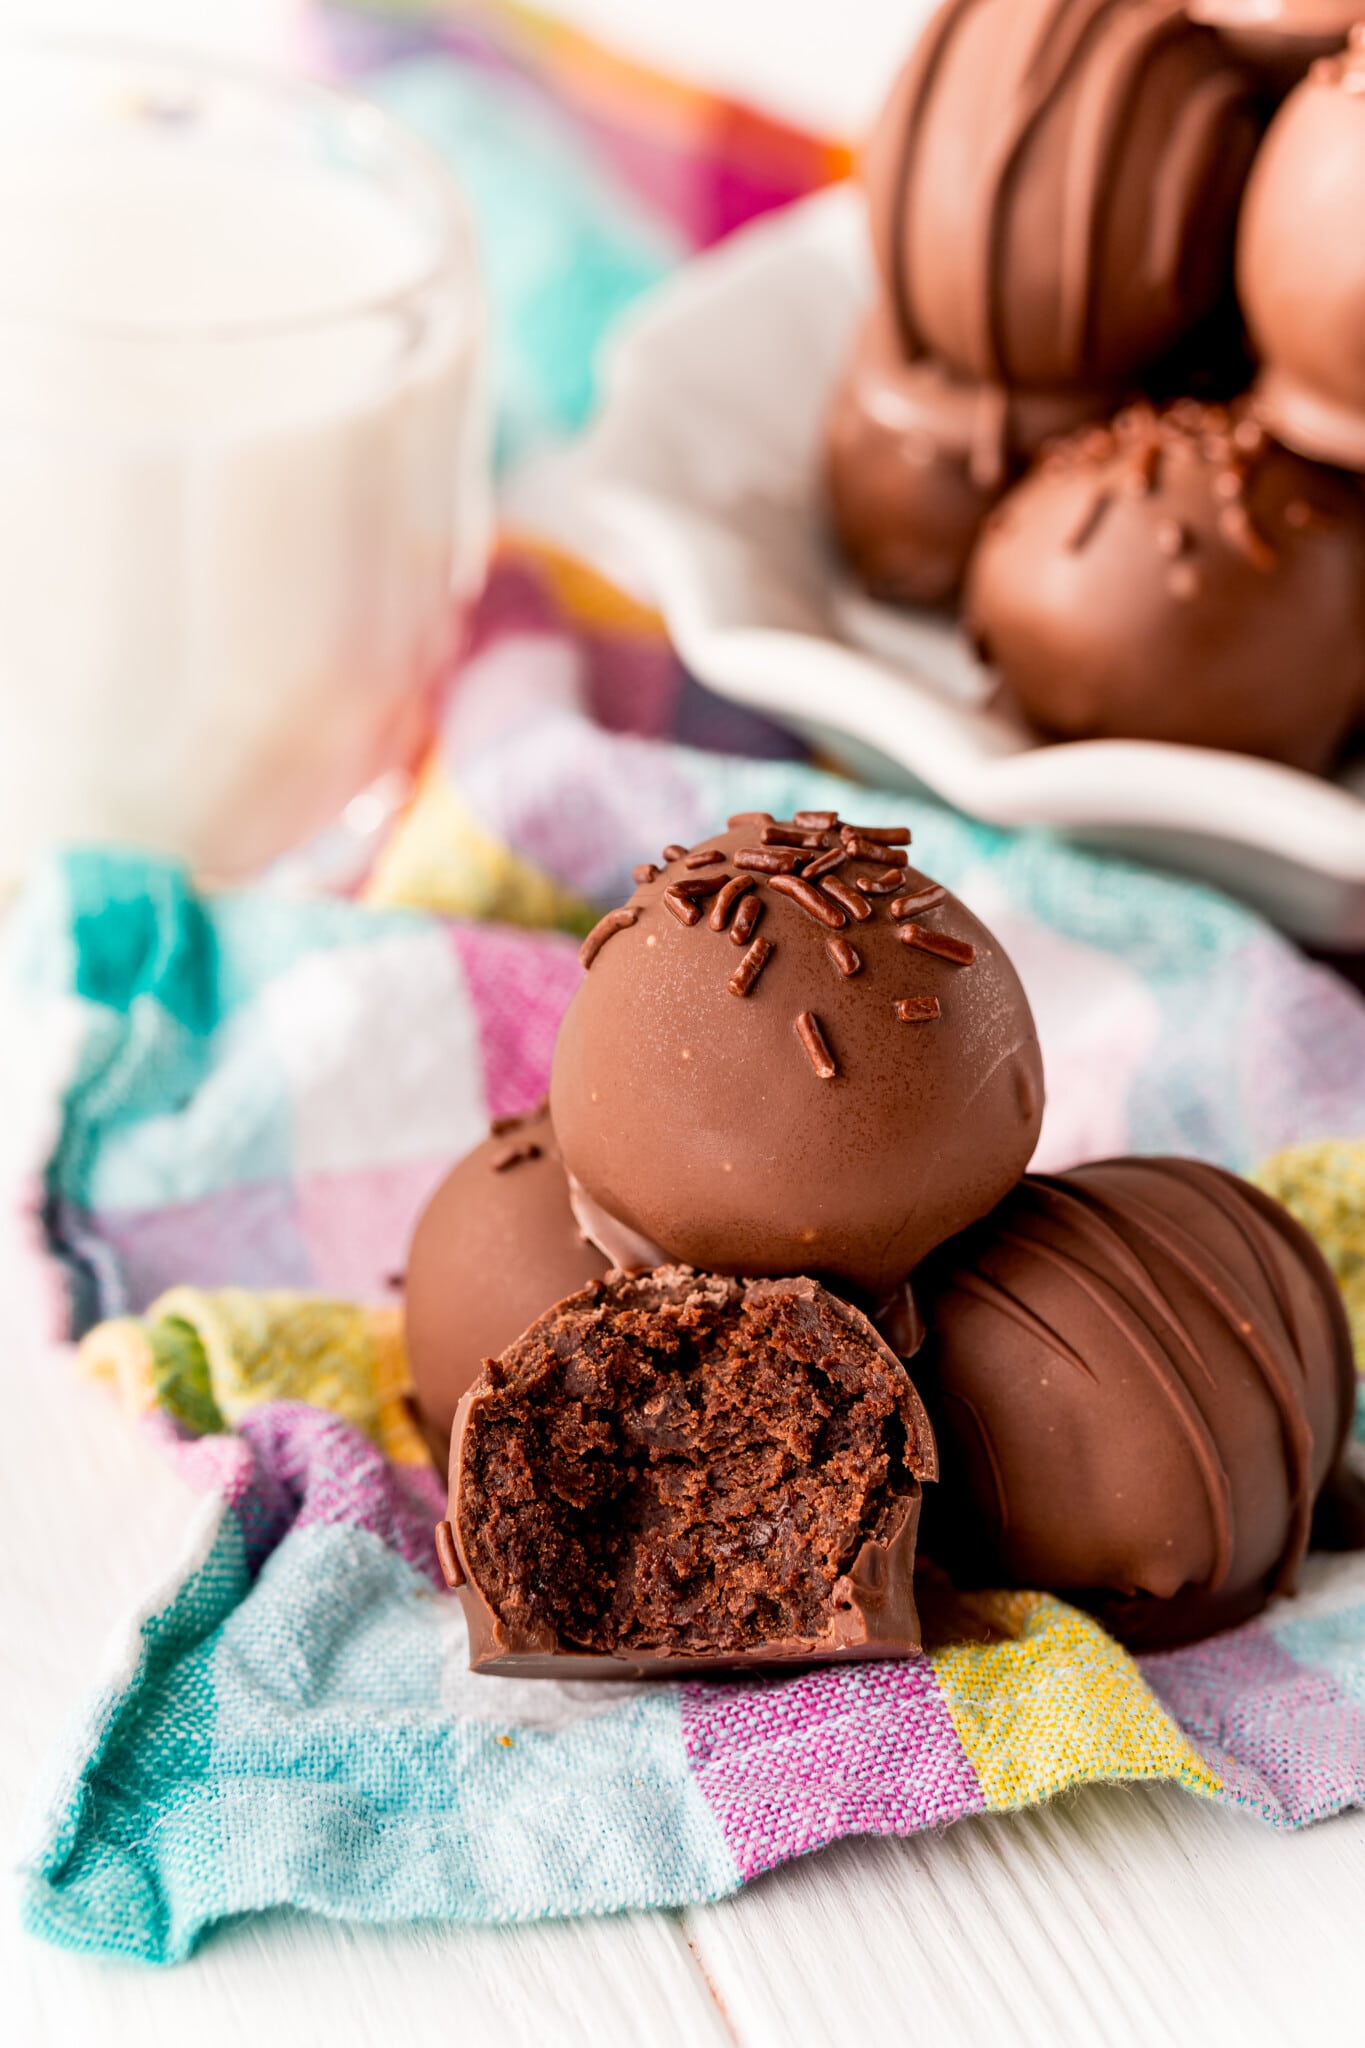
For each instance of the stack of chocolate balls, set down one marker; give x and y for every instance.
(1111, 397)
(763, 1301)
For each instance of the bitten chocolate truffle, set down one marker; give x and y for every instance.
(915, 458)
(1301, 263)
(675, 1471)
(1179, 577)
(1140, 1374)
(792, 1052)
(1054, 186)
(496, 1246)
(1279, 38)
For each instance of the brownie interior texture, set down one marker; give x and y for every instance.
(681, 1463)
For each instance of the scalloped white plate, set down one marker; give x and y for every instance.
(699, 487)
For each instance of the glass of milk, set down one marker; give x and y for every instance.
(243, 478)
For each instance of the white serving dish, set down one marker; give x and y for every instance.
(699, 486)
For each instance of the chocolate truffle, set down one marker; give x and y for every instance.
(495, 1247)
(916, 457)
(1054, 186)
(1301, 263)
(793, 1052)
(1180, 577)
(1140, 1374)
(1279, 38)
(673, 1471)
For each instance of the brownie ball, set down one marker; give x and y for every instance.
(1054, 186)
(675, 1471)
(1140, 1375)
(1301, 263)
(496, 1246)
(791, 1053)
(916, 457)
(1278, 38)
(1179, 577)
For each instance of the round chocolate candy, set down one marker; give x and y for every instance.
(916, 457)
(1054, 186)
(1140, 1375)
(671, 1471)
(1301, 263)
(495, 1247)
(1179, 577)
(792, 1053)
(1279, 38)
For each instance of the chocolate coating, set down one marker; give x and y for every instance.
(916, 457)
(1280, 38)
(675, 1472)
(1054, 186)
(1180, 578)
(766, 1107)
(1301, 263)
(495, 1247)
(1140, 1373)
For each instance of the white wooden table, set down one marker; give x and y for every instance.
(1124, 1915)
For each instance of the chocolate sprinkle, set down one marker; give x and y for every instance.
(645, 872)
(750, 967)
(706, 858)
(673, 851)
(918, 1009)
(858, 907)
(695, 887)
(768, 860)
(878, 835)
(883, 883)
(749, 818)
(813, 901)
(817, 1051)
(825, 864)
(786, 835)
(960, 951)
(875, 849)
(846, 958)
(614, 921)
(923, 899)
(1240, 532)
(512, 1155)
(816, 821)
(746, 919)
(683, 908)
(737, 886)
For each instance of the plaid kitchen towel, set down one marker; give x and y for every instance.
(219, 1118)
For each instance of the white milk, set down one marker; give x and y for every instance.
(241, 461)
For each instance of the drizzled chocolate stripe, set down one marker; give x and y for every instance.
(746, 920)
(858, 907)
(817, 1050)
(813, 901)
(960, 951)
(846, 958)
(918, 1009)
(734, 888)
(750, 967)
(605, 928)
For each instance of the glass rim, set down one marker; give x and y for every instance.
(452, 254)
